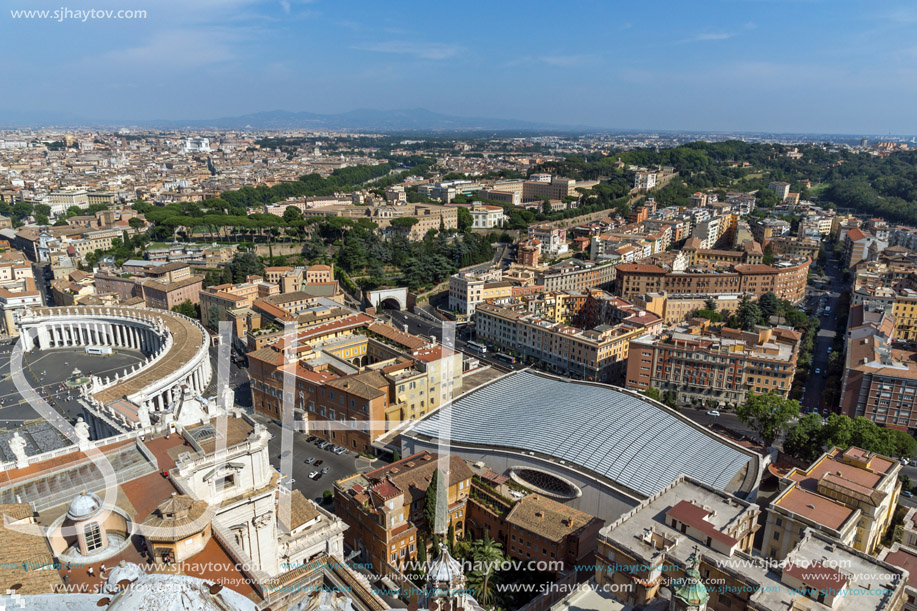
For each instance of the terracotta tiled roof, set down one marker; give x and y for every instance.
(547, 518)
(688, 513)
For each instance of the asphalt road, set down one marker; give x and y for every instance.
(340, 466)
(727, 420)
(813, 397)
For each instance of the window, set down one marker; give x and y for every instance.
(225, 482)
(93, 534)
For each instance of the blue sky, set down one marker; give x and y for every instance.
(769, 65)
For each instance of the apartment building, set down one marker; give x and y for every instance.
(691, 544)
(769, 228)
(533, 528)
(15, 295)
(219, 300)
(384, 508)
(880, 380)
(576, 275)
(354, 379)
(849, 495)
(167, 295)
(553, 239)
(468, 289)
(676, 309)
(787, 279)
(702, 365)
(598, 353)
(781, 189)
(796, 246)
(796, 509)
(645, 180)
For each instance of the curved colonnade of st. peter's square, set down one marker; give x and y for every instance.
(175, 348)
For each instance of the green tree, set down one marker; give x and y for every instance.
(245, 264)
(905, 480)
(136, 223)
(396, 455)
(805, 439)
(670, 398)
(710, 304)
(765, 198)
(188, 309)
(769, 305)
(768, 414)
(711, 315)
(488, 556)
(292, 213)
(421, 557)
(748, 314)
(465, 220)
(652, 393)
(450, 537)
(430, 501)
(213, 317)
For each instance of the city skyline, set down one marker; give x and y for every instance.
(778, 67)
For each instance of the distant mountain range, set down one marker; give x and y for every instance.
(409, 119)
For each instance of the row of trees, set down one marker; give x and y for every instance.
(812, 435)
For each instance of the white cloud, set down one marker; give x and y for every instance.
(566, 60)
(421, 50)
(180, 49)
(712, 36)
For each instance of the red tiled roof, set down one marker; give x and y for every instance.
(688, 513)
(386, 489)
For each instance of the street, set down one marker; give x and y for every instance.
(813, 397)
(340, 466)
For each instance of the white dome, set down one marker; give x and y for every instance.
(323, 600)
(445, 569)
(124, 570)
(84, 506)
(164, 592)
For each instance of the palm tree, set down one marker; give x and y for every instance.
(488, 556)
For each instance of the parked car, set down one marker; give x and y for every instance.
(905, 461)
(907, 493)
(318, 463)
(326, 469)
(311, 438)
(818, 371)
(317, 477)
(829, 349)
(310, 460)
(713, 413)
(313, 474)
(340, 451)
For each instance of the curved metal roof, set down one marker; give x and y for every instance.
(607, 431)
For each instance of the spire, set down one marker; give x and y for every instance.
(689, 592)
(445, 579)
